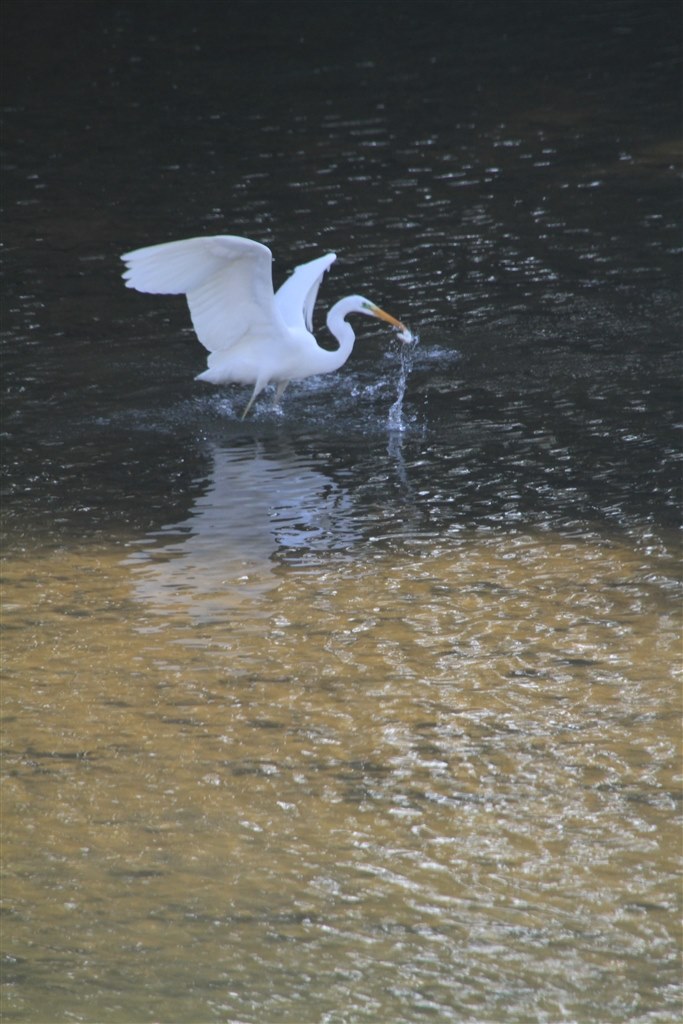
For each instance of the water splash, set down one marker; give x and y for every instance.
(396, 423)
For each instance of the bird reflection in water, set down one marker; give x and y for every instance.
(261, 508)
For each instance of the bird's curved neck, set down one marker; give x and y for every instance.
(342, 331)
(344, 334)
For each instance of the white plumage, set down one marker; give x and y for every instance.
(253, 335)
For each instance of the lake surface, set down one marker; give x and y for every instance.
(340, 714)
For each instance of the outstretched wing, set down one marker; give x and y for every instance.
(227, 280)
(295, 299)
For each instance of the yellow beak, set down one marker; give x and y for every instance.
(376, 311)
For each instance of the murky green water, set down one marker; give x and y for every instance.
(307, 718)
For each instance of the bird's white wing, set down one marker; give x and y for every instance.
(227, 280)
(295, 299)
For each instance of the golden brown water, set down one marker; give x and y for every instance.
(370, 783)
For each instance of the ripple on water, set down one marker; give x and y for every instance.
(392, 766)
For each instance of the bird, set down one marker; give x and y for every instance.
(254, 335)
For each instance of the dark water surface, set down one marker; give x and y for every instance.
(334, 715)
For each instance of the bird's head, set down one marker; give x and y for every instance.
(370, 309)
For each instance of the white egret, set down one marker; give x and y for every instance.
(253, 335)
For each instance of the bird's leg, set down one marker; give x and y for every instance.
(258, 388)
(279, 391)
